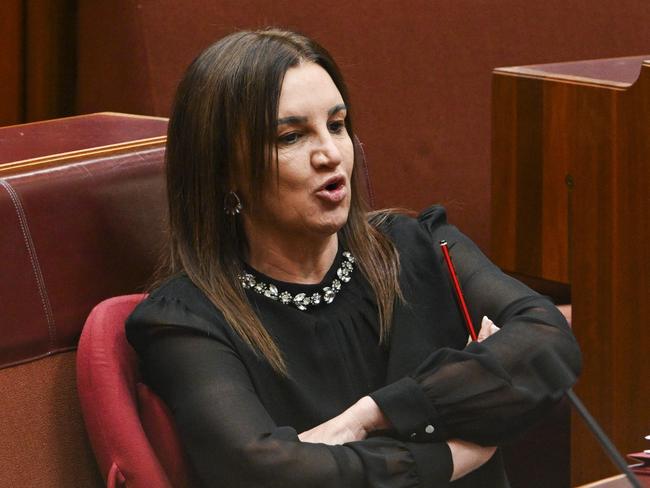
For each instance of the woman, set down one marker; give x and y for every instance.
(297, 342)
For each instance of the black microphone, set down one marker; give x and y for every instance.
(556, 376)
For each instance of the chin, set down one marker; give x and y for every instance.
(334, 222)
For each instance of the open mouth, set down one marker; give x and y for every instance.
(333, 184)
(333, 191)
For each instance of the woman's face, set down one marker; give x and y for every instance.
(310, 195)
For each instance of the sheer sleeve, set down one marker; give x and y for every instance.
(487, 392)
(231, 440)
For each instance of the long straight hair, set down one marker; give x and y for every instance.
(222, 132)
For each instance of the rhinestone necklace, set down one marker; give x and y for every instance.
(303, 300)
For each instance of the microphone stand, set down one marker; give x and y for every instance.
(604, 441)
(556, 376)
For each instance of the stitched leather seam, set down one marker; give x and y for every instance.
(31, 249)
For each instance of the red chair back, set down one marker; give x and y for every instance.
(130, 429)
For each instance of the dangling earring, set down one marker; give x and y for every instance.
(232, 204)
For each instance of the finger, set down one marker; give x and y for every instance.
(485, 324)
(487, 329)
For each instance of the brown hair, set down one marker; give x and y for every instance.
(222, 131)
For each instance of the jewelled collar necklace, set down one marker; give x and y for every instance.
(302, 301)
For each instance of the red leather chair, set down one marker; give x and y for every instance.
(129, 427)
(81, 219)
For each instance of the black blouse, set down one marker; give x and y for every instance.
(239, 420)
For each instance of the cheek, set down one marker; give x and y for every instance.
(348, 155)
(293, 182)
(289, 194)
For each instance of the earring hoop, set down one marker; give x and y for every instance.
(232, 204)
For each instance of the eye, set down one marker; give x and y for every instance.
(336, 126)
(289, 138)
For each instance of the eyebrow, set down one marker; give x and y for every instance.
(336, 108)
(294, 119)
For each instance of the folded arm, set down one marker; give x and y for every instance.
(488, 392)
(231, 440)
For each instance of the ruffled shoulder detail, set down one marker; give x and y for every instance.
(410, 233)
(433, 217)
(177, 305)
(394, 224)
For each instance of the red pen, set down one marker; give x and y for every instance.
(459, 292)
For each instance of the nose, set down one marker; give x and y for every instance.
(326, 153)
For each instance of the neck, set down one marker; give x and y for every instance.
(303, 260)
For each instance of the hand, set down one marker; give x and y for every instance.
(467, 457)
(353, 424)
(487, 329)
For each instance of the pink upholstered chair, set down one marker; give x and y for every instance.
(130, 429)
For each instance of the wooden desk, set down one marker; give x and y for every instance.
(571, 204)
(618, 481)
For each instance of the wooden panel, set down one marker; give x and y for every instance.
(630, 253)
(50, 58)
(556, 144)
(591, 273)
(529, 197)
(591, 136)
(11, 66)
(419, 76)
